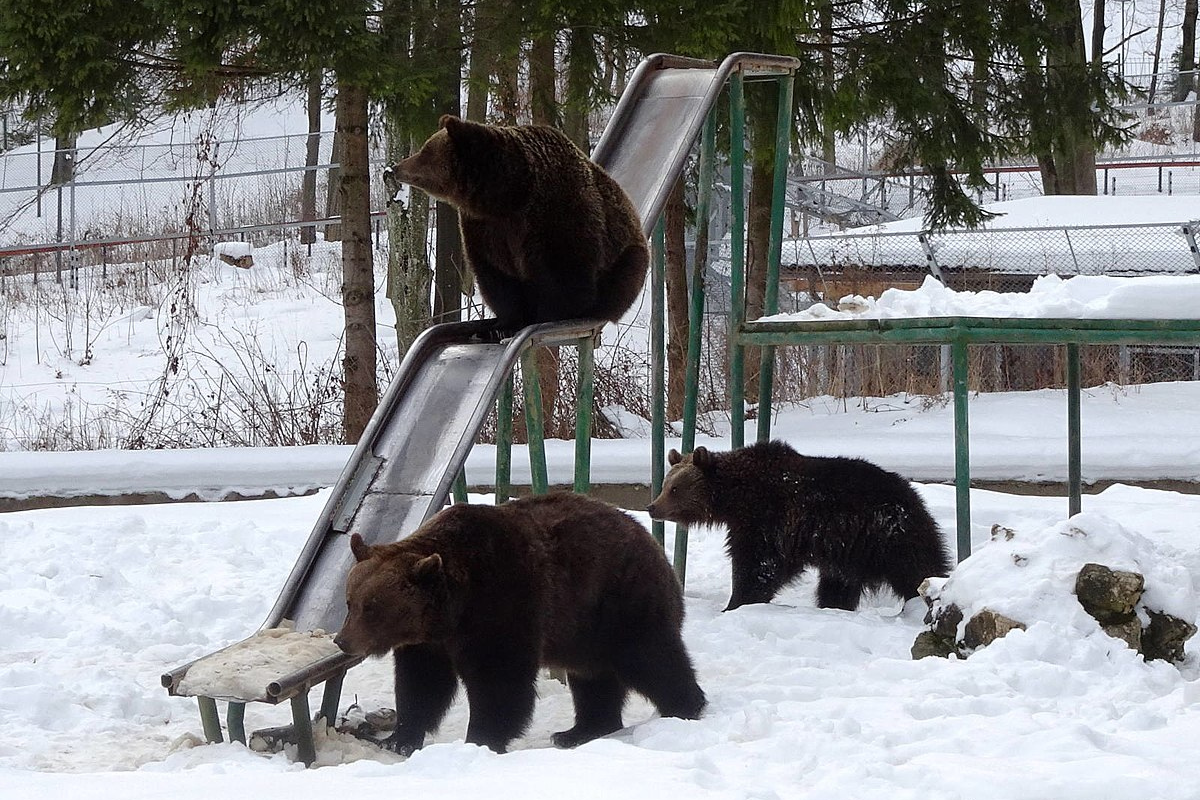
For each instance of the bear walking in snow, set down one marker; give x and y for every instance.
(548, 233)
(486, 594)
(860, 526)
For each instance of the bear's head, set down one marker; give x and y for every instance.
(446, 163)
(686, 495)
(394, 597)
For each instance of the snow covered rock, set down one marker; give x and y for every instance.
(1082, 577)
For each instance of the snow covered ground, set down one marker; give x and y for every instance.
(96, 603)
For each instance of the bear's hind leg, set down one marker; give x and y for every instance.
(598, 703)
(500, 694)
(425, 687)
(659, 669)
(838, 591)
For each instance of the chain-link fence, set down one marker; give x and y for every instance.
(127, 203)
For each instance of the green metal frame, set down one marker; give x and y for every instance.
(736, 346)
(658, 357)
(962, 332)
(737, 241)
(766, 374)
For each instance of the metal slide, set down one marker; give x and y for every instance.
(401, 472)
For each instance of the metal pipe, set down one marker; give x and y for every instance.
(962, 450)
(658, 357)
(534, 422)
(1074, 441)
(584, 393)
(737, 272)
(766, 373)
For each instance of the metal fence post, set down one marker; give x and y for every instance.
(1189, 233)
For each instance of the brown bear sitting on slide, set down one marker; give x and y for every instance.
(549, 235)
(860, 526)
(486, 594)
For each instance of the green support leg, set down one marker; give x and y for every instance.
(962, 453)
(585, 391)
(783, 129)
(306, 748)
(658, 359)
(737, 277)
(235, 720)
(459, 488)
(534, 422)
(210, 720)
(691, 382)
(1074, 433)
(331, 699)
(504, 431)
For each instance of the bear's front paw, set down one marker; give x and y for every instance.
(404, 742)
(577, 735)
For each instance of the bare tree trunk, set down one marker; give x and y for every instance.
(333, 195)
(482, 58)
(1187, 53)
(677, 299)
(1098, 28)
(449, 272)
(543, 103)
(1070, 165)
(1158, 37)
(312, 156)
(828, 140)
(508, 91)
(358, 280)
(581, 67)
(544, 109)
(63, 170)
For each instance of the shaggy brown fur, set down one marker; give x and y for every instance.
(548, 233)
(861, 526)
(486, 594)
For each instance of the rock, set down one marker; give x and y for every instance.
(1164, 637)
(929, 643)
(1129, 631)
(986, 627)
(946, 622)
(1108, 595)
(241, 262)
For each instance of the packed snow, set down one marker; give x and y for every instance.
(1080, 297)
(96, 603)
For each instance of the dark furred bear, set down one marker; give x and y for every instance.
(548, 233)
(861, 526)
(486, 594)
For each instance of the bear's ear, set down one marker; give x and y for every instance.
(427, 572)
(449, 121)
(673, 457)
(702, 458)
(361, 550)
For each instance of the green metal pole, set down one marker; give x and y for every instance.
(459, 487)
(534, 422)
(658, 359)
(962, 453)
(210, 721)
(783, 138)
(306, 749)
(504, 432)
(585, 391)
(737, 276)
(235, 720)
(691, 387)
(1074, 430)
(691, 382)
(331, 698)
